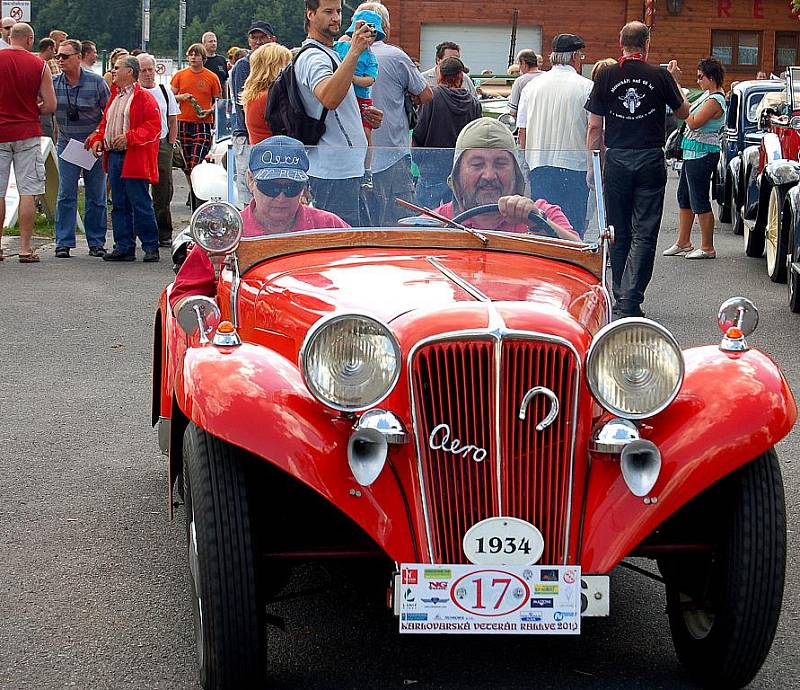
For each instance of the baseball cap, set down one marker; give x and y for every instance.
(263, 27)
(8, 22)
(451, 66)
(279, 157)
(567, 43)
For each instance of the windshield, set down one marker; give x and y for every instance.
(794, 84)
(490, 189)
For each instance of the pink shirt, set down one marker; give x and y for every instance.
(552, 211)
(307, 218)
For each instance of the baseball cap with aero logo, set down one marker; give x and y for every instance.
(279, 157)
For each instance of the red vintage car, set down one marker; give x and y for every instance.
(456, 406)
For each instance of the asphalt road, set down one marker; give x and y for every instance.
(93, 575)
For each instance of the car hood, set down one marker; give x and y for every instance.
(296, 291)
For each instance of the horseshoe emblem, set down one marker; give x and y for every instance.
(551, 416)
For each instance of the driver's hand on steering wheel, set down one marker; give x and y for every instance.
(516, 208)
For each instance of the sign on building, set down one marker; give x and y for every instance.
(17, 9)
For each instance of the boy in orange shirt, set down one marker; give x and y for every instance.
(195, 88)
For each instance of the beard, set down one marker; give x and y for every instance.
(485, 192)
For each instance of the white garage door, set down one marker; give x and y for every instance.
(483, 46)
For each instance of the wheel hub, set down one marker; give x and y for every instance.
(698, 620)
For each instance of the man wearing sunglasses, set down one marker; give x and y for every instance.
(81, 97)
(278, 179)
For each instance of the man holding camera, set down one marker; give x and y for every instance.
(81, 97)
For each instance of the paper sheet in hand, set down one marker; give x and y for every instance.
(77, 155)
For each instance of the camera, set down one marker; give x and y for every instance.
(72, 113)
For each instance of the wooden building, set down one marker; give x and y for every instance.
(747, 35)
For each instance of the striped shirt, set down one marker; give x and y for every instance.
(118, 118)
(90, 95)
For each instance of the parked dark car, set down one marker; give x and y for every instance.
(741, 130)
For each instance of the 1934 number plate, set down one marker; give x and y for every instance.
(503, 541)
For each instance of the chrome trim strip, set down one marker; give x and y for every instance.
(496, 332)
(164, 424)
(235, 282)
(458, 280)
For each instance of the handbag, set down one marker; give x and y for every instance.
(178, 161)
(672, 149)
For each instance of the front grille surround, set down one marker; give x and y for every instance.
(501, 343)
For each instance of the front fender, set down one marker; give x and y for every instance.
(734, 175)
(256, 400)
(782, 172)
(750, 190)
(731, 408)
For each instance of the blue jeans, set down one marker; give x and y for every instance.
(565, 188)
(94, 215)
(132, 213)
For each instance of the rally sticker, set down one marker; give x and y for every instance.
(507, 599)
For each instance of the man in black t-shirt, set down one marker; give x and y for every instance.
(630, 100)
(216, 63)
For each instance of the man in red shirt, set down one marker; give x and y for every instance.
(26, 92)
(128, 136)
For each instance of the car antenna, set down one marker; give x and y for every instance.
(438, 216)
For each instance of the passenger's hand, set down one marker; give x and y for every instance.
(372, 115)
(516, 208)
(96, 148)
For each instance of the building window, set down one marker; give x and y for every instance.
(737, 48)
(786, 50)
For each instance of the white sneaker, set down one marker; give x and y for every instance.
(676, 250)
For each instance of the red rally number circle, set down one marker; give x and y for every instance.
(490, 593)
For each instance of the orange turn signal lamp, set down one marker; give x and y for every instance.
(733, 333)
(226, 335)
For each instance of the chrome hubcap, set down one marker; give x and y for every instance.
(698, 621)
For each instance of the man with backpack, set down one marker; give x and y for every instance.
(325, 86)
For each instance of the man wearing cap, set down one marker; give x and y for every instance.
(260, 33)
(325, 82)
(627, 109)
(552, 130)
(486, 171)
(440, 122)
(391, 164)
(278, 178)
(5, 31)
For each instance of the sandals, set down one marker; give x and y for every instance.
(32, 258)
(677, 250)
(702, 254)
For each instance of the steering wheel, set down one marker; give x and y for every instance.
(536, 218)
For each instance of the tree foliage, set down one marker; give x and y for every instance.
(115, 23)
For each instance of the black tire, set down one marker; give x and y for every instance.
(723, 201)
(724, 607)
(753, 239)
(228, 607)
(776, 241)
(792, 277)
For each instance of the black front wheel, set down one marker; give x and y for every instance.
(792, 276)
(723, 606)
(228, 606)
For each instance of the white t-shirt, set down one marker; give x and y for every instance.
(3, 44)
(340, 153)
(167, 108)
(555, 121)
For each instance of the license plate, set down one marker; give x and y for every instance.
(489, 600)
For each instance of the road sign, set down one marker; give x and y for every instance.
(165, 68)
(19, 10)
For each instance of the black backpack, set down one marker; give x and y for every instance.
(285, 113)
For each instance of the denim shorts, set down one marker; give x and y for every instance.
(694, 186)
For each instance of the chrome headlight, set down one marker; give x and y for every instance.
(216, 226)
(634, 368)
(350, 362)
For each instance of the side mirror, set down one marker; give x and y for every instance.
(197, 312)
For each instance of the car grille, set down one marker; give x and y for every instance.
(458, 383)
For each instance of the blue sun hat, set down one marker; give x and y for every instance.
(369, 17)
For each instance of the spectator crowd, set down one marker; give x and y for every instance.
(372, 128)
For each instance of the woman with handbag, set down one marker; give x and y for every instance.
(700, 149)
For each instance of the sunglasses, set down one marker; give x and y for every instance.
(273, 188)
(64, 56)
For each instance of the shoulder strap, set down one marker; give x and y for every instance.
(294, 62)
(164, 93)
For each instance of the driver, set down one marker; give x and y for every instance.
(486, 171)
(278, 179)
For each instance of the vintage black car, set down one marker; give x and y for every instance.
(741, 130)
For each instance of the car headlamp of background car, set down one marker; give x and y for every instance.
(350, 362)
(634, 368)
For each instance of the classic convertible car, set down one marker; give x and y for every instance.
(456, 406)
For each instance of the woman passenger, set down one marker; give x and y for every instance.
(266, 63)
